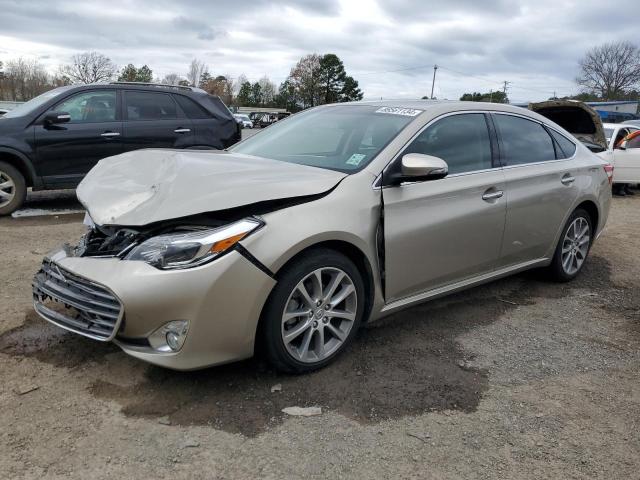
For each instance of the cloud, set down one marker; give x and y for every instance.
(390, 46)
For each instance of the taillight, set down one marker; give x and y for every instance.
(608, 169)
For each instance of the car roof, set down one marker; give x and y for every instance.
(452, 104)
(189, 91)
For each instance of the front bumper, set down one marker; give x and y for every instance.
(222, 301)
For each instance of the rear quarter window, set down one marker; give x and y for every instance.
(191, 109)
(565, 148)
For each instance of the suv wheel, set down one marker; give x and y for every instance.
(13, 189)
(314, 311)
(573, 247)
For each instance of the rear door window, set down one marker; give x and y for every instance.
(149, 106)
(523, 141)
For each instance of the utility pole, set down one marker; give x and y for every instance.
(504, 90)
(491, 96)
(433, 82)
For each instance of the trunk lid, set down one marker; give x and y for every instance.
(579, 119)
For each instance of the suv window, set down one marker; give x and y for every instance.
(523, 141)
(149, 106)
(565, 147)
(89, 107)
(191, 108)
(461, 140)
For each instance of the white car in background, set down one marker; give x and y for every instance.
(624, 156)
(243, 120)
(603, 139)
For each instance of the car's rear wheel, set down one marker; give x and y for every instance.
(313, 312)
(573, 247)
(13, 189)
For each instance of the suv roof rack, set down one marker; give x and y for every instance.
(150, 84)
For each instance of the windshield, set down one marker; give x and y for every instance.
(344, 138)
(34, 103)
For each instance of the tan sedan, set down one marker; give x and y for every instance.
(333, 217)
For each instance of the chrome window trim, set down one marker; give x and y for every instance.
(376, 182)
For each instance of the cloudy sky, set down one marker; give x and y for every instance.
(389, 46)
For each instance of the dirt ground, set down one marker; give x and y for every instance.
(516, 379)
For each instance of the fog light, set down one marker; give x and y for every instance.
(173, 340)
(170, 337)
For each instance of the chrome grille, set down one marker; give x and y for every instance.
(75, 303)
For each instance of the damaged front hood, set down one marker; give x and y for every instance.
(576, 117)
(146, 186)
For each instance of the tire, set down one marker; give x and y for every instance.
(579, 245)
(326, 336)
(12, 196)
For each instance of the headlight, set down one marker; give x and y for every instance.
(185, 250)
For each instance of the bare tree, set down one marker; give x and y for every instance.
(305, 79)
(89, 67)
(237, 85)
(268, 90)
(171, 79)
(196, 69)
(24, 79)
(611, 69)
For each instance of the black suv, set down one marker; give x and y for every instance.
(53, 140)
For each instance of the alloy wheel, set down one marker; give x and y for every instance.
(7, 189)
(575, 245)
(319, 314)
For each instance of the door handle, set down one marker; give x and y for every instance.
(182, 130)
(492, 195)
(567, 179)
(110, 134)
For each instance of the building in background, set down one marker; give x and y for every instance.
(616, 112)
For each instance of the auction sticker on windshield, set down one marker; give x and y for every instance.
(355, 159)
(406, 112)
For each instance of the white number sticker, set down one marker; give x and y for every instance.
(407, 112)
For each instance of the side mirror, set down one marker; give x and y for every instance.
(55, 118)
(416, 167)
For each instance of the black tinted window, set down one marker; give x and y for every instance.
(564, 147)
(191, 108)
(460, 140)
(149, 106)
(523, 141)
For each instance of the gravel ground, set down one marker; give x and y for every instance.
(516, 379)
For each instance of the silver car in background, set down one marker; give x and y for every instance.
(336, 216)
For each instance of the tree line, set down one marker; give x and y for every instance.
(314, 80)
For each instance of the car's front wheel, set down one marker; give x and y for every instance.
(573, 247)
(13, 189)
(313, 312)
